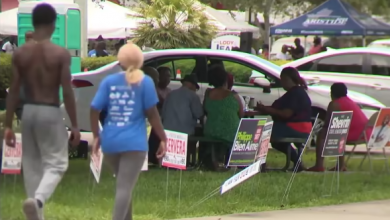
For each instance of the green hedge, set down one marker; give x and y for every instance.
(240, 73)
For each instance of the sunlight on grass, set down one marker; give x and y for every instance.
(79, 197)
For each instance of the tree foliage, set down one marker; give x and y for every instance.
(173, 24)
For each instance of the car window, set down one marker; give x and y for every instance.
(352, 63)
(308, 66)
(380, 65)
(241, 71)
(183, 66)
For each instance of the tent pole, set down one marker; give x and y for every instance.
(364, 41)
(83, 5)
(270, 42)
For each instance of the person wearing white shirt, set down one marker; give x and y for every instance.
(10, 46)
(283, 54)
(381, 134)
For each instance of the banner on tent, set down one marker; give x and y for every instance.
(176, 155)
(262, 151)
(336, 136)
(246, 142)
(241, 177)
(380, 136)
(11, 162)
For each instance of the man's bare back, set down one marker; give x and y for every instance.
(40, 66)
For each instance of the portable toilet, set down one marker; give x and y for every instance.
(67, 33)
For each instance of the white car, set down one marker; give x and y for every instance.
(364, 70)
(266, 89)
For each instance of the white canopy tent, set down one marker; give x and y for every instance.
(110, 22)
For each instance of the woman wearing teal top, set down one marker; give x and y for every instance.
(223, 109)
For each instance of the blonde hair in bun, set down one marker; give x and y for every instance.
(130, 57)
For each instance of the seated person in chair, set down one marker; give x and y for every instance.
(291, 113)
(182, 109)
(223, 109)
(341, 102)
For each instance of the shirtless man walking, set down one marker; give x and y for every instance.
(42, 67)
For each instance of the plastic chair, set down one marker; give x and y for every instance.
(363, 139)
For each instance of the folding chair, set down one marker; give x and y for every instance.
(363, 139)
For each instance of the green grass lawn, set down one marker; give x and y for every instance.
(79, 198)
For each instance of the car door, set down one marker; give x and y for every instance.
(346, 68)
(378, 78)
(266, 95)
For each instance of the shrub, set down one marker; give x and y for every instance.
(5, 72)
(241, 74)
(93, 63)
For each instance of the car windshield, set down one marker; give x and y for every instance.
(266, 62)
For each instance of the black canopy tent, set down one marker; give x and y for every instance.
(333, 18)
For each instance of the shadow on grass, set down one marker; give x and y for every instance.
(79, 197)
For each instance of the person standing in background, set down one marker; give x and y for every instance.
(298, 51)
(265, 52)
(29, 36)
(317, 46)
(164, 81)
(123, 139)
(162, 91)
(10, 46)
(283, 54)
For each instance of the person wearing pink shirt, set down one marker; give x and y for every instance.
(317, 47)
(340, 102)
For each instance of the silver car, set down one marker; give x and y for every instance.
(267, 88)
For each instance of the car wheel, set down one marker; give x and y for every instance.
(321, 117)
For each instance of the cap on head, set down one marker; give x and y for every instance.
(130, 56)
(297, 40)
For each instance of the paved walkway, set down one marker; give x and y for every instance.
(377, 210)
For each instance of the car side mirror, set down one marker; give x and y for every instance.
(263, 83)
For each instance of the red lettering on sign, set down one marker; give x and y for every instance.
(225, 42)
(176, 146)
(14, 151)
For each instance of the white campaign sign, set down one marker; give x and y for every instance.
(241, 176)
(226, 41)
(176, 155)
(96, 165)
(11, 162)
(145, 165)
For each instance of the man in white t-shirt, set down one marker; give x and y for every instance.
(10, 46)
(283, 54)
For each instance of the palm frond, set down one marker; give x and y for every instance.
(173, 24)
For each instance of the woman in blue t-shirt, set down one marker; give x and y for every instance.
(291, 113)
(129, 98)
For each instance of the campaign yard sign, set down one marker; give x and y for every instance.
(96, 164)
(336, 137)
(264, 143)
(176, 155)
(241, 177)
(380, 136)
(11, 162)
(246, 142)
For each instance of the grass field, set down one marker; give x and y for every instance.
(78, 197)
